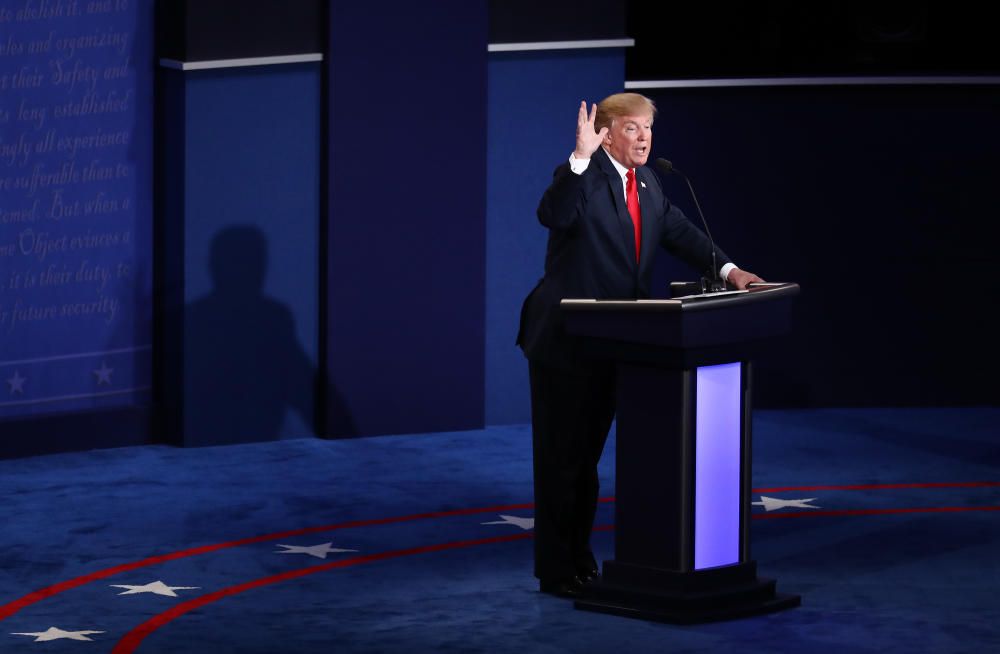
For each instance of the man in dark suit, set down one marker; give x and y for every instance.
(606, 215)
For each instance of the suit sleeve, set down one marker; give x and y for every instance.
(564, 201)
(686, 241)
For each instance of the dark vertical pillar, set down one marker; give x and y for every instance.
(406, 218)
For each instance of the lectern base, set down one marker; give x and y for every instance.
(684, 598)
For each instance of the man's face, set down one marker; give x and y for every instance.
(630, 139)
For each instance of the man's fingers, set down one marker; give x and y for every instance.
(604, 130)
(593, 114)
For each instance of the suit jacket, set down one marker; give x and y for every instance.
(591, 250)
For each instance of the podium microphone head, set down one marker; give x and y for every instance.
(665, 166)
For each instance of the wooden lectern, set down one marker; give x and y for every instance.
(682, 482)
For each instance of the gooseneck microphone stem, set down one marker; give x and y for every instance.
(704, 223)
(667, 168)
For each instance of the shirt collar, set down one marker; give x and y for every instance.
(622, 170)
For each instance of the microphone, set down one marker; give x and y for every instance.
(667, 168)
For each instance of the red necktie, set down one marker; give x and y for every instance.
(632, 200)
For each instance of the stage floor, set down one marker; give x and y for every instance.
(886, 522)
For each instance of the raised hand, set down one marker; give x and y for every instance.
(587, 139)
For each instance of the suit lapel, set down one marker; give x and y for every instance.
(618, 193)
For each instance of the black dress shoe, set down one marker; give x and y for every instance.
(570, 588)
(588, 575)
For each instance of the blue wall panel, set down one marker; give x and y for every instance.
(251, 252)
(75, 217)
(533, 102)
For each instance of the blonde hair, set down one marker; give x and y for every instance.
(622, 104)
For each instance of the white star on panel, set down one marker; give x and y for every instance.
(155, 587)
(523, 523)
(773, 503)
(55, 633)
(104, 374)
(16, 383)
(319, 551)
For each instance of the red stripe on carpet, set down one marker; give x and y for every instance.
(11, 608)
(132, 639)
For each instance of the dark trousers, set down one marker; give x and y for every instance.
(571, 413)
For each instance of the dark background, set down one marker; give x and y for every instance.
(676, 40)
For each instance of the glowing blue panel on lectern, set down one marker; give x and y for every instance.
(717, 466)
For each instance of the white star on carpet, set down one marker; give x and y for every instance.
(523, 523)
(773, 503)
(319, 551)
(55, 633)
(104, 374)
(155, 587)
(17, 383)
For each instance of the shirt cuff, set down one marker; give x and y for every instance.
(726, 269)
(578, 165)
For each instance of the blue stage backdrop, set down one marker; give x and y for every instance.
(533, 100)
(75, 152)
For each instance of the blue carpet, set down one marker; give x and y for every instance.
(896, 557)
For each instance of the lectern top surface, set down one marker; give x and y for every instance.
(702, 296)
(756, 293)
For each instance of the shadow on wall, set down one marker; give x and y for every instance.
(244, 365)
